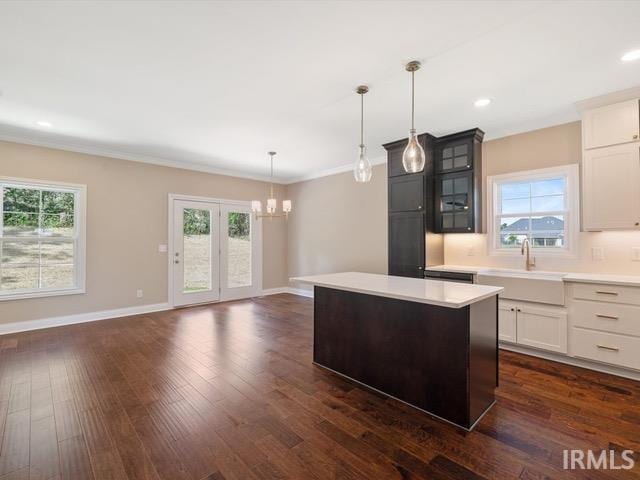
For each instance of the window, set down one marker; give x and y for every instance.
(540, 205)
(42, 237)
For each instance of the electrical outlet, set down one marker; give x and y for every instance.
(162, 248)
(597, 253)
(139, 293)
(635, 254)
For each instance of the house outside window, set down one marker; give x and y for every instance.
(540, 205)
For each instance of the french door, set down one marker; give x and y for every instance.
(215, 252)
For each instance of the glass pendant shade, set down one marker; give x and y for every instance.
(256, 206)
(362, 168)
(413, 156)
(271, 205)
(286, 206)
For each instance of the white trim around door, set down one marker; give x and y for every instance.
(225, 282)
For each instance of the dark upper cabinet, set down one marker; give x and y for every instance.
(406, 193)
(406, 244)
(458, 182)
(455, 202)
(454, 156)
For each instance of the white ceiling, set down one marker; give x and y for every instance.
(215, 85)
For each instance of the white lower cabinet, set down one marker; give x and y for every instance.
(533, 325)
(507, 322)
(542, 327)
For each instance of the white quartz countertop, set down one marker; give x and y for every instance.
(432, 292)
(630, 280)
(602, 278)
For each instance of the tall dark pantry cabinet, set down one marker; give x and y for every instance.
(444, 198)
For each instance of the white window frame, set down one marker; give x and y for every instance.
(79, 237)
(571, 173)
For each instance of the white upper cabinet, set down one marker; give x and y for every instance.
(611, 187)
(611, 125)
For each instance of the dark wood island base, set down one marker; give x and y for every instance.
(441, 360)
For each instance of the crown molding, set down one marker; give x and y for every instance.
(23, 138)
(334, 171)
(608, 99)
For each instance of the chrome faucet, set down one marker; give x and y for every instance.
(530, 262)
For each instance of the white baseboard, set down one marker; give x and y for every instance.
(576, 362)
(293, 291)
(28, 325)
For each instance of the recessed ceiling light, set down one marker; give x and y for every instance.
(482, 102)
(43, 123)
(631, 56)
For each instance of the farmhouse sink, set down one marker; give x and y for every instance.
(539, 287)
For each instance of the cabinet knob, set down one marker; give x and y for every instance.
(466, 207)
(513, 309)
(469, 228)
(637, 223)
(419, 207)
(635, 137)
(419, 268)
(519, 310)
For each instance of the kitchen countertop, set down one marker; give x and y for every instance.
(432, 292)
(602, 278)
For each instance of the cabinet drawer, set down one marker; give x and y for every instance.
(606, 347)
(606, 293)
(609, 317)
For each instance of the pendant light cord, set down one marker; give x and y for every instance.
(361, 119)
(271, 179)
(413, 98)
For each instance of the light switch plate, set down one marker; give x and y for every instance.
(162, 248)
(635, 254)
(597, 253)
(139, 293)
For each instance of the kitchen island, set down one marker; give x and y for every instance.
(427, 343)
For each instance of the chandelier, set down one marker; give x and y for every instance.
(256, 205)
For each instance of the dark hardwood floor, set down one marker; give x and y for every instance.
(228, 391)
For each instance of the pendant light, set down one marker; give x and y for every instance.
(256, 205)
(413, 156)
(362, 168)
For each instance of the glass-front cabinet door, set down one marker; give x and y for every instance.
(455, 156)
(454, 195)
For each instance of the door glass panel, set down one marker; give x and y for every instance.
(460, 162)
(197, 250)
(447, 220)
(447, 187)
(461, 202)
(461, 220)
(461, 185)
(460, 149)
(239, 251)
(447, 203)
(447, 164)
(447, 152)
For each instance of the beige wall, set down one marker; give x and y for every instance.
(548, 147)
(338, 225)
(126, 221)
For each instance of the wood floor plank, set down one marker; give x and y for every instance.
(14, 452)
(229, 391)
